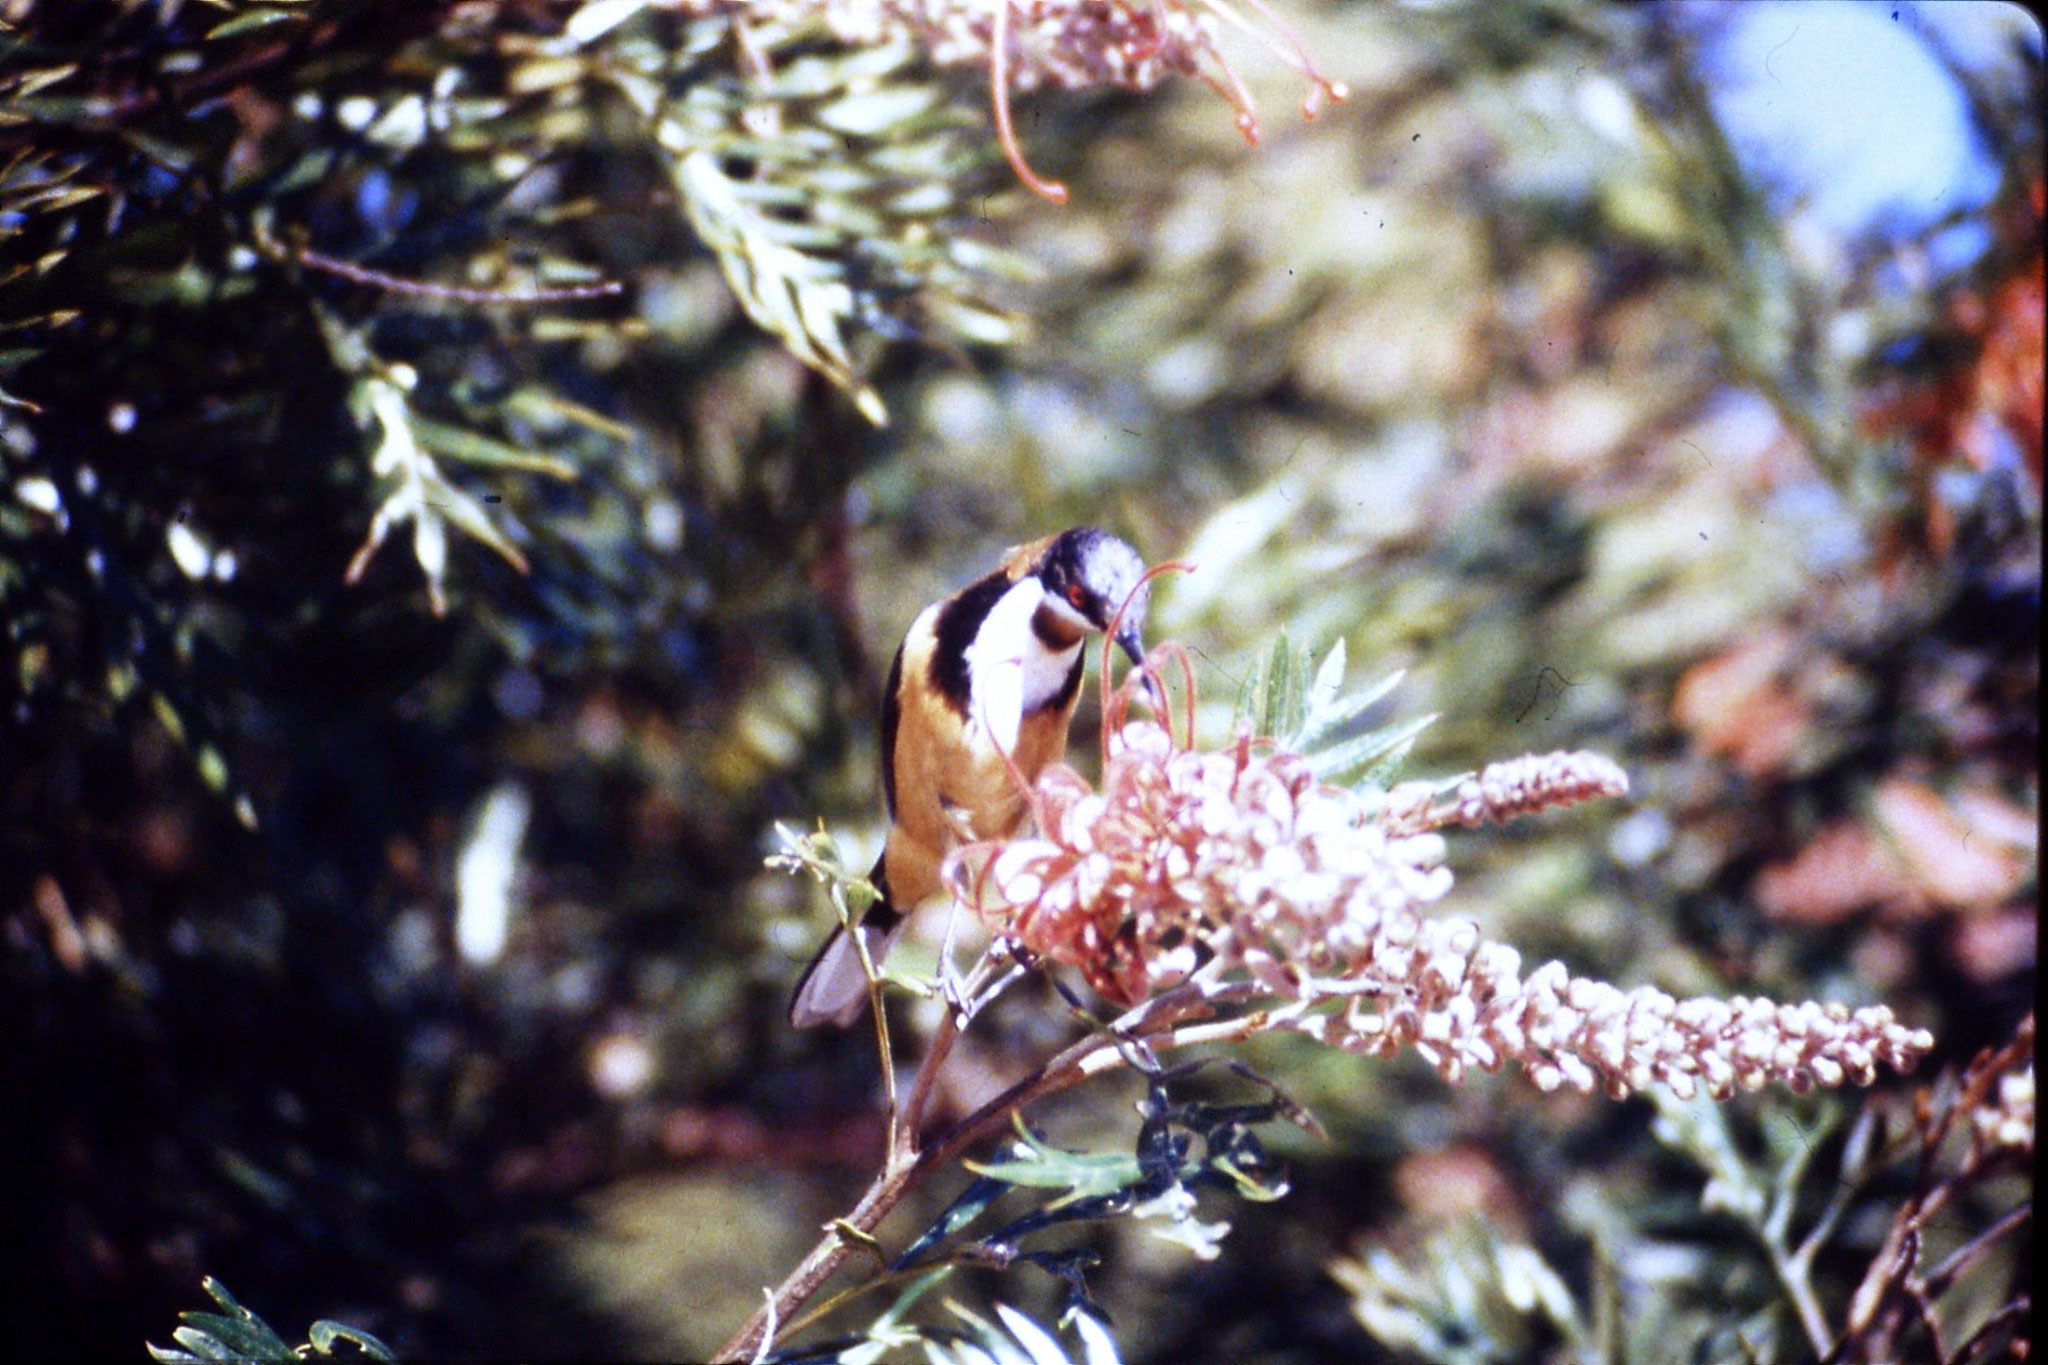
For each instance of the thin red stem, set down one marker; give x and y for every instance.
(999, 91)
(1110, 723)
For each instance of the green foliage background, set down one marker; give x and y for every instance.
(1503, 372)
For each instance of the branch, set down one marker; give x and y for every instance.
(395, 284)
(908, 1165)
(1937, 1281)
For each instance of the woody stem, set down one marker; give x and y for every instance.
(908, 1165)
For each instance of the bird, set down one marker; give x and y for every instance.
(993, 669)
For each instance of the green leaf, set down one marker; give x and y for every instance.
(1370, 755)
(250, 22)
(971, 1204)
(471, 447)
(239, 1335)
(1331, 717)
(1270, 698)
(830, 184)
(1322, 692)
(1300, 704)
(325, 1334)
(1084, 1175)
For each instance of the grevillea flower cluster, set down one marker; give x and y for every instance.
(1075, 44)
(1064, 44)
(1239, 865)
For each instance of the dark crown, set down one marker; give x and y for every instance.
(1105, 568)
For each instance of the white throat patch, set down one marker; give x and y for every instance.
(1010, 672)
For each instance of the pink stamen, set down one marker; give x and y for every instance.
(1295, 53)
(1145, 52)
(1109, 638)
(999, 80)
(1239, 98)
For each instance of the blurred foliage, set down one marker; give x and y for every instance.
(1798, 1180)
(1012, 1339)
(1506, 373)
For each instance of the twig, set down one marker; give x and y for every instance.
(1938, 1280)
(1786, 1265)
(903, 1137)
(909, 1165)
(396, 284)
(1892, 1281)
(1855, 1156)
(2010, 1317)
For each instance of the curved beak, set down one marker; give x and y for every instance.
(1127, 640)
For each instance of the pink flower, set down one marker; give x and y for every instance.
(1238, 863)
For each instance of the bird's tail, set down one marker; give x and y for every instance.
(834, 988)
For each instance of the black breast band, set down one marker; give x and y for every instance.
(959, 622)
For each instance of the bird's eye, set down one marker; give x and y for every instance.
(1077, 595)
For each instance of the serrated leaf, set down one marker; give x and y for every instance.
(825, 185)
(1381, 775)
(1273, 699)
(1273, 713)
(1251, 695)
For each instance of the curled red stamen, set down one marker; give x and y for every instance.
(999, 93)
(1109, 638)
(1295, 53)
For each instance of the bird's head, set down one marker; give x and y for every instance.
(1087, 574)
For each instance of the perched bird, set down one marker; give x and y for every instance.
(993, 669)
